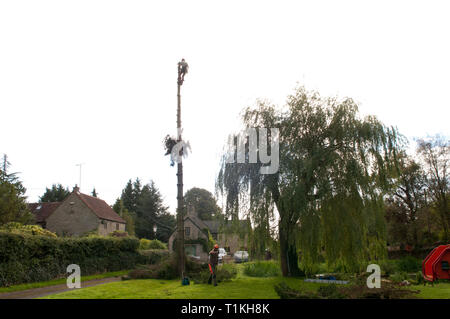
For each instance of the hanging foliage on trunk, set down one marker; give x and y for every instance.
(334, 168)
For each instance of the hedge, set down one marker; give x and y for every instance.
(25, 258)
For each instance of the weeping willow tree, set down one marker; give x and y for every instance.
(334, 169)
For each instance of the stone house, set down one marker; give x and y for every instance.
(197, 231)
(77, 215)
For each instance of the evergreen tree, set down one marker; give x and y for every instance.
(129, 217)
(145, 206)
(13, 207)
(150, 207)
(127, 197)
(57, 193)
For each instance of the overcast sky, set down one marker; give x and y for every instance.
(94, 82)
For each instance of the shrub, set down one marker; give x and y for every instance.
(146, 244)
(28, 258)
(155, 255)
(156, 244)
(409, 264)
(224, 273)
(330, 292)
(387, 291)
(262, 269)
(419, 278)
(18, 228)
(167, 269)
(388, 267)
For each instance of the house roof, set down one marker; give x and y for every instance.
(213, 225)
(42, 210)
(100, 208)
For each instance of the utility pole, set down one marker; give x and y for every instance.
(182, 70)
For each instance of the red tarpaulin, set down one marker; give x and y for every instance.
(436, 264)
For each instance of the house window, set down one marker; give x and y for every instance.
(187, 231)
(117, 226)
(105, 224)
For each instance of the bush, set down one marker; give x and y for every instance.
(34, 230)
(156, 244)
(262, 269)
(330, 292)
(167, 269)
(409, 264)
(224, 273)
(419, 278)
(387, 291)
(155, 255)
(388, 267)
(25, 258)
(146, 244)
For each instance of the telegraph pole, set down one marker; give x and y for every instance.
(180, 201)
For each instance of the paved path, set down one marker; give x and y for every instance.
(50, 290)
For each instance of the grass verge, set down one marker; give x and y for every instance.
(60, 281)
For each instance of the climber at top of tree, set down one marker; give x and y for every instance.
(183, 68)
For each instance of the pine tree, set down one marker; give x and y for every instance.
(57, 193)
(13, 207)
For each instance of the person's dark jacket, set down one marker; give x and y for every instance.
(214, 257)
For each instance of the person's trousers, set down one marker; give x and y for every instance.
(212, 276)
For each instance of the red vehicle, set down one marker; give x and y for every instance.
(437, 264)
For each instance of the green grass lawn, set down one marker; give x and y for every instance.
(60, 281)
(242, 287)
(438, 291)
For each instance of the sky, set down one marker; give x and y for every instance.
(94, 82)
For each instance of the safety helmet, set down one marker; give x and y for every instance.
(216, 246)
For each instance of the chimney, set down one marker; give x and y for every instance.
(76, 189)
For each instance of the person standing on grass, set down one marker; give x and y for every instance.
(213, 261)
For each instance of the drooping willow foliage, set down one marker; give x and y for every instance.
(335, 168)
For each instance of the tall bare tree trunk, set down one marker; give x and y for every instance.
(180, 204)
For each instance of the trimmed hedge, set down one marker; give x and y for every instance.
(25, 258)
